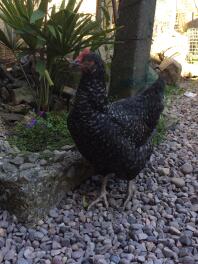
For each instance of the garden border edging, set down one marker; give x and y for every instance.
(33, 183)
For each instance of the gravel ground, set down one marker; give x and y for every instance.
(159, 226)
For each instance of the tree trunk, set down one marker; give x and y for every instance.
(132, 47)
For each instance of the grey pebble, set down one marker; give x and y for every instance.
(56, 245)
(10, 255)
(115, 259)
(22, 261)
(186, 168)
(188, 260)
(77, 254)
(18, 160)
(29, 253)
(174, 231)
(185, 240)
(179, 182)
(38, 235)
(169, 253)
(53, 213)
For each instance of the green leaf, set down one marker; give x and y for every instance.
(44, 6)
(9, 39)
(78, 6)
(52, 30)
(38, 14)
(40, 67)
(30, 7)
(53, 12)
(85, 203)
(62, 7)
(20, 9)
(3, 39)
(47, 76)
(106, 15)
(71, 4)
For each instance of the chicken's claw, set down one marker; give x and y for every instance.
(103, 194)
(131, 192)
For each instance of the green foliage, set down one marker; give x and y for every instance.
(8, 38)
(51, 34)
(85, 203)
(161, 131)
(68, 31)
(172, 91)
(42, 133)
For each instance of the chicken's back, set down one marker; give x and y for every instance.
(139, 115)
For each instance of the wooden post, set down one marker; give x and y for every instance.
(132, 47)
(98, 10)
(114, 6)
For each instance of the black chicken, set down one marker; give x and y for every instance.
(116, 138)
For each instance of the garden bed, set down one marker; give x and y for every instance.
(33, 182)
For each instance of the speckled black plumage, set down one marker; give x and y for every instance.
(114, 137)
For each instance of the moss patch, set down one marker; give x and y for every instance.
(42, 132)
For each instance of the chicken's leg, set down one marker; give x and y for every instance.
(131, 192)
(103, 194)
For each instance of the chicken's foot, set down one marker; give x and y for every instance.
(103, 194)
(131, 192)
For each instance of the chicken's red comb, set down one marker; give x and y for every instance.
(82, 54)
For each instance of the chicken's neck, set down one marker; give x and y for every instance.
(91, 95)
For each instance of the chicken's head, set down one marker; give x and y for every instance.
(90, 62)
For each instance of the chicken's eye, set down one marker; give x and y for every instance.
(88, 66)
(89, 63)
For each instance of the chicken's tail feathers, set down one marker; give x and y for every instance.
(153, 98)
